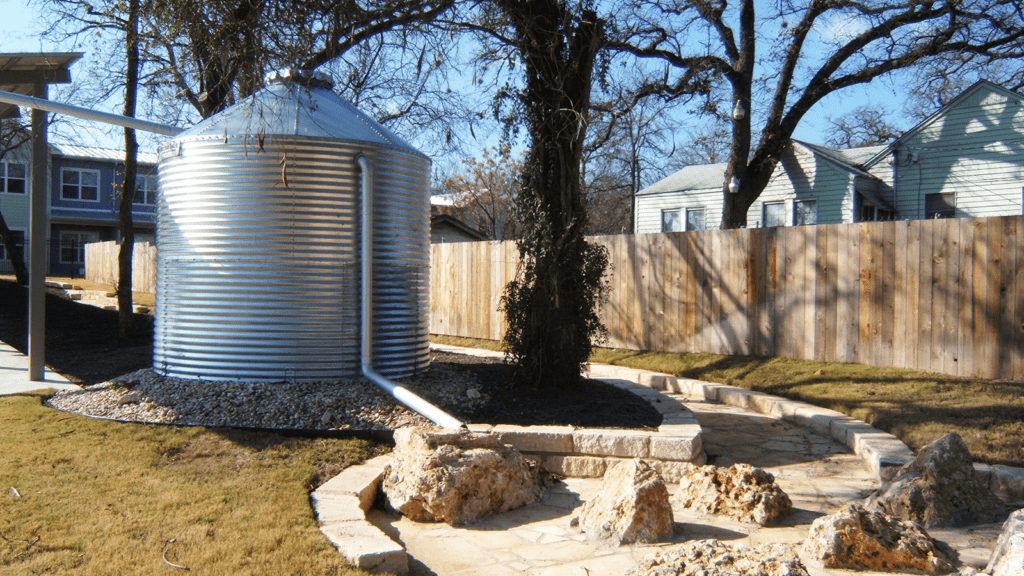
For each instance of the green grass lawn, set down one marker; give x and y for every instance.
(917, 407)
(91, 497)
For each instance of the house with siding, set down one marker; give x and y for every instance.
(82, 200)
(965, 160)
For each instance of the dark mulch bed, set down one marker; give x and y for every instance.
(82, 344)
(594, 404)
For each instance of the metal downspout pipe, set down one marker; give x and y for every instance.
(403, 395)
(87, 113)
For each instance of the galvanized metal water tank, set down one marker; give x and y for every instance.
(258, 248)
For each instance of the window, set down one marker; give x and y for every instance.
(19, 239)
(805, 212)
(695, 219)
(78, 184)
(774, 214)
(72, 246)
(13, 178)
(670, 221)
(940, 205)
(145, 189)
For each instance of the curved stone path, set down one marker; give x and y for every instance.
(818, 474)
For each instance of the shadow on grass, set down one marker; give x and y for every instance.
(82, 341)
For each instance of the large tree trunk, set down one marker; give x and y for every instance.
(14, 253)
(124, 213)
(551, 306)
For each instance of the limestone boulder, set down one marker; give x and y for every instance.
(1008, 555)
(713, 558)
(631, 506)
(456, 477)
(740, 491)
(938, 488)
(855, 538)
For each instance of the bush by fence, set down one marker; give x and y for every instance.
(101, 265)
(939, 295)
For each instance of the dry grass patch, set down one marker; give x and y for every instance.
(90, 497)
(467, 342)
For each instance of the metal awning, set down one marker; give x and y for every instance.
(22, 72)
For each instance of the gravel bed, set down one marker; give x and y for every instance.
(356, 404)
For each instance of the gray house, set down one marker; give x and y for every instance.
(965, 160)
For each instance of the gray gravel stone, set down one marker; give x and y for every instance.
(330, 405)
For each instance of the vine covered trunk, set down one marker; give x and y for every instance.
(551, 305)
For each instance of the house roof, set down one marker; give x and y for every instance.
(701, 177)
(446, 219)
(850, 159)
(934, 117)
(96, 153)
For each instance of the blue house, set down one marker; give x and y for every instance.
(84, 188)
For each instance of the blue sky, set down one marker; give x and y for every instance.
(19, 32)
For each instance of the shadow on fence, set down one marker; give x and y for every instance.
(939, 295)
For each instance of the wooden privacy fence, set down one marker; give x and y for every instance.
(101, 264)
(938, 295)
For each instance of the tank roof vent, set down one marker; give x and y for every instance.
(299, 76)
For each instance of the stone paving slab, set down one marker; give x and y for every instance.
(818, 473)
(821, 458)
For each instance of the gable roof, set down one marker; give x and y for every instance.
(935, 116)
(703, 177)
(850, 159)
(437, 220)
(97, 153)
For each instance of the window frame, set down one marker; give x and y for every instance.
(952, 206)
(78, 244)
(149, 193)
(703, 219)
(78, 185)
(764, 213)
(678, 219)
(797, 202)
(5, 178)
(24, 240)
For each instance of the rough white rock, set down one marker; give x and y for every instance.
(740, 491)
(938, 488)
(1008, 555)
(456, 477)
(858, 539)
(713, 558)
(632, 506)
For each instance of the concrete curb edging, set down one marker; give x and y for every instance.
(342, 502)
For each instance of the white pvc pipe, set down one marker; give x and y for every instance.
(117, 119)
(403, 395)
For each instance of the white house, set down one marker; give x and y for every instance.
(965, 160)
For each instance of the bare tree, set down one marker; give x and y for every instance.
(863, 126)
(125, 305)
(632, 144)
(484, 192)
(216, 52)
(822, 46)
(119, 20)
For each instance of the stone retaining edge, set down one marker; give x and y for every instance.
(883, 453)
(341, 503)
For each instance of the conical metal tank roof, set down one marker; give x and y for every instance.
(259, 246)
(294, 103)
